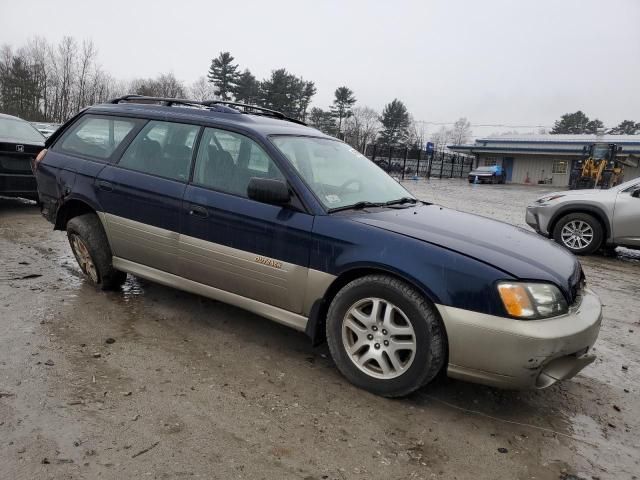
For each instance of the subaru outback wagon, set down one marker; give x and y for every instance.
(247, 206)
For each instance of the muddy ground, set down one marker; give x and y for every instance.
(151, 382)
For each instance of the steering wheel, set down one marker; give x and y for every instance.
(342, 188)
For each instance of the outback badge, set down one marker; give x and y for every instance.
(268, 261)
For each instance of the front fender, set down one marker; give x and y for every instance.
(445, 277)
(573, 207)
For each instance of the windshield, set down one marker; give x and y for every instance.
(600, 152)
(19, 130)
(338, 174)
(628, 184)
(485, 169)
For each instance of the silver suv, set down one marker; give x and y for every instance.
(585, 220)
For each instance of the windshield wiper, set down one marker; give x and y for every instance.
(402, 200)
(356, 206)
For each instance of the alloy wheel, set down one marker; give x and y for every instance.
(83, 256)
(379, 338)
(577, 235)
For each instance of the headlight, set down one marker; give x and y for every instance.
(548, 198)
(532, 300)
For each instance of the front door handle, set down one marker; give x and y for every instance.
(105, 186)
(198, 211)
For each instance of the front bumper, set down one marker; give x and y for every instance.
(520, 354)
(481, 177)
(532, 219)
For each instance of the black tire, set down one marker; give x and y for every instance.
(591, 221)
(88, 229)
(430, 348)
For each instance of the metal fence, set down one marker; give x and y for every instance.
(408, 162)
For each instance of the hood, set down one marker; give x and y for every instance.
(16, 141)
(516, 251)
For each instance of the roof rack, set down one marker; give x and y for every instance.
(223, 106)
(253, 109)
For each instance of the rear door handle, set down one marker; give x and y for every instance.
(198, 211)
(105, 186)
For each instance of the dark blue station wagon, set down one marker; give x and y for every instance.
(249, 207)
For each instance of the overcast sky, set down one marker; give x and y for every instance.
(493, 61)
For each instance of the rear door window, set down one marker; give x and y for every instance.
(164, 149)
(97, 136)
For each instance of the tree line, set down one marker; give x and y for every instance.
(44, 81)
(292, 95)
(580, 123)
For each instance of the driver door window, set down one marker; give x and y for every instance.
(227, 161)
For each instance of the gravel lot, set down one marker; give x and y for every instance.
(151, 382)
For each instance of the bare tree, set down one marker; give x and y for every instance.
(164, 85)
(461, 131)
(417, 134)
(86, 67)
(65, 77)
(362, 127)
(202, 90)
(441, 138)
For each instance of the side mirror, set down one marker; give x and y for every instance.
(636, 193)
(267, 190)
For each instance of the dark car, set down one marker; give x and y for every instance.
(488, 174)
(247, 206)
(20, 142)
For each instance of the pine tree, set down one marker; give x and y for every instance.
(626, 127)
(395, 123)
(322, 120)
(287, 93)
(594, 126)
(342, 105)
(223, 73)
(576, 123)
(247, 89)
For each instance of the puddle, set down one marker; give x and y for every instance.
(132, 289)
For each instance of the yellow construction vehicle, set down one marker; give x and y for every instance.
(599, 167)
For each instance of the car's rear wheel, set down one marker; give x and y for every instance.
(384, 336)
(90, 247)
(579, 233)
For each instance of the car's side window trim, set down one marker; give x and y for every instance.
(194, 154)
(298, 205)
(196, 141)
(139, 123)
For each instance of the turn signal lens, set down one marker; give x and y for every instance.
(516, 300)
(532, 300)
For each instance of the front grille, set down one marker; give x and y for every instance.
(15, 163)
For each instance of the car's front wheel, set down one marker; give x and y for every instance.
(384, 336)
(580, 233)
(91, 248)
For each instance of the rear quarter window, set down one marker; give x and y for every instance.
(96, 136)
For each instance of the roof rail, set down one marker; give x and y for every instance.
(227, 106)
(253, 109)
